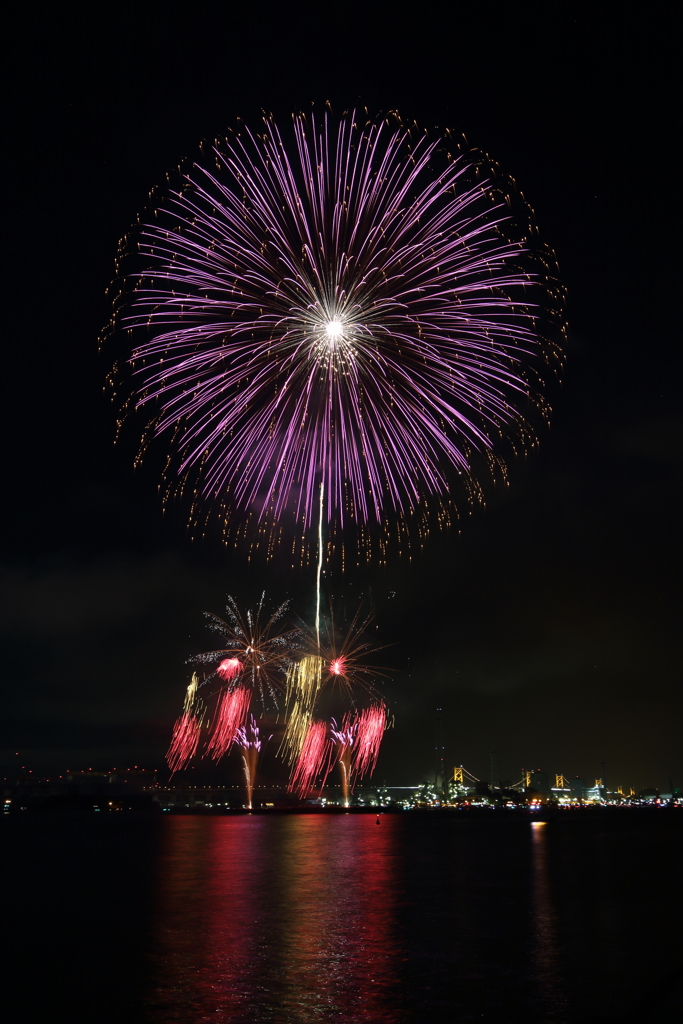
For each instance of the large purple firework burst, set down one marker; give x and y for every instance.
(349, 309)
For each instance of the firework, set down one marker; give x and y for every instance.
(340, 664)
(353, 310)
(187, 730)
(345, 657)
(184, 742)
(371, 724)
(229, 668)
(344, 737)
(233, 706)
(249, 739)
(252, 650)
(255, 655)
(313, 759)
(304, 679)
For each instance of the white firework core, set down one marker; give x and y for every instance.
(334, 331)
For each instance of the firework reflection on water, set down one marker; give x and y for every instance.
(279, 918)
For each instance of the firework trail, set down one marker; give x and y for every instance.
(184, 743)
(187, 730)
(352, 310)
(304, 679)
(370, 725)
(232, 711)
(248, 737)
(313, 759)
(320, 567)
(344, 737)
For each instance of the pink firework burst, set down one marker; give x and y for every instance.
(313, 760)
(232, 713)
(229, 668)
(184, 743)
(371, 724)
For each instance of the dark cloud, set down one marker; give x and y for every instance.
(70, 598)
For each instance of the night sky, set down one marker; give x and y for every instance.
(548, 627)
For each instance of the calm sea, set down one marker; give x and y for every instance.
(332, 918)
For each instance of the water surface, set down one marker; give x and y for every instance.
(295, 919)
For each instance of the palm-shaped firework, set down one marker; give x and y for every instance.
(254, 653)
(253, 661)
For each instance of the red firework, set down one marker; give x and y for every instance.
(232, 714)
(185, 741)
(313, 759)
(371, 724)
(346, 655)
(229, 668)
